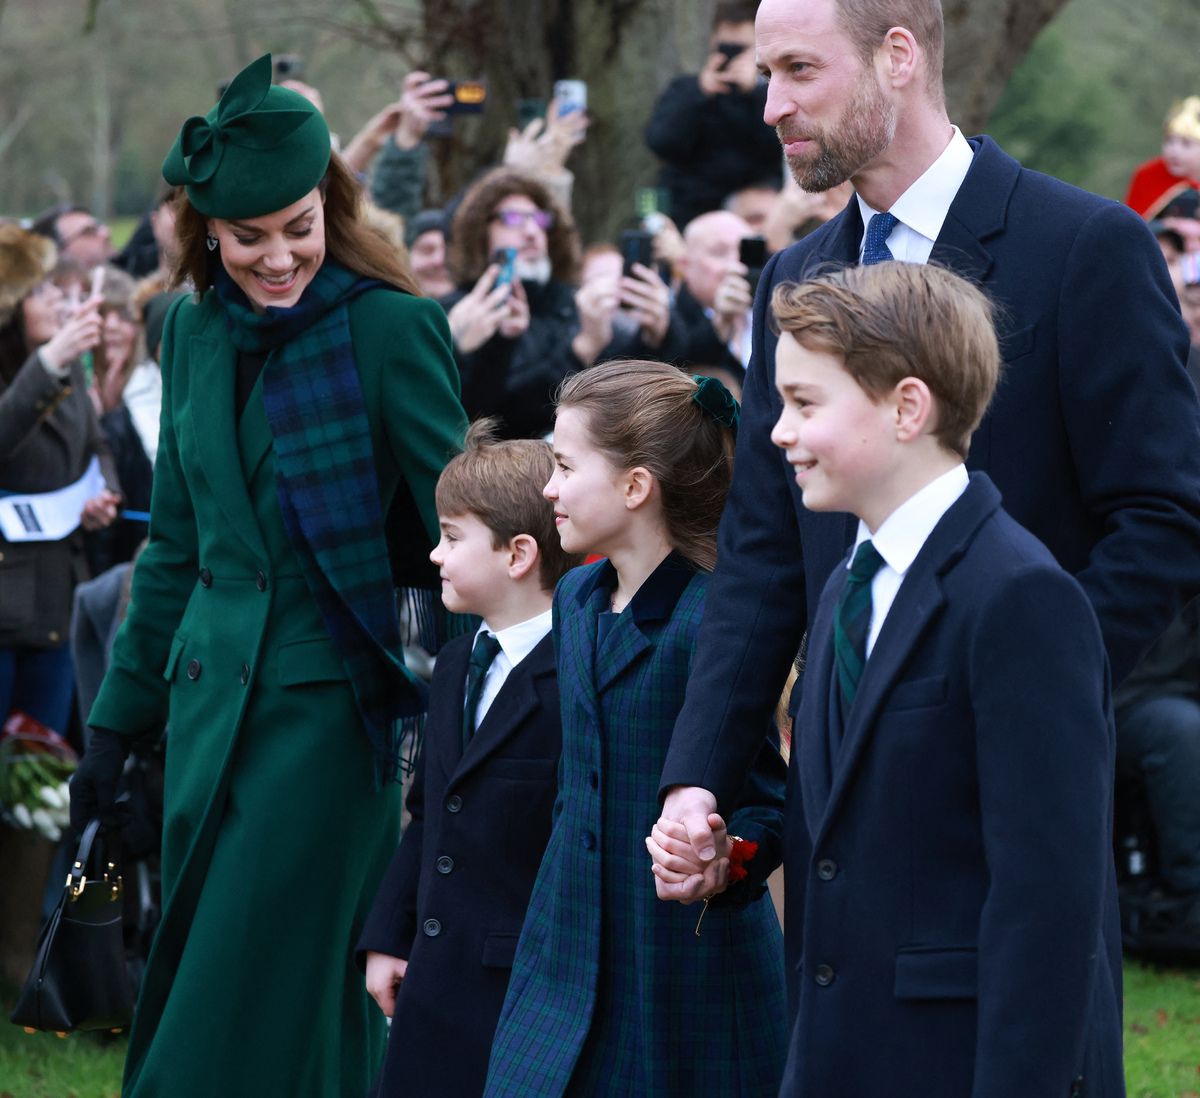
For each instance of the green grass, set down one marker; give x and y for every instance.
(40, 1065)
(1162, 1046)
(1162, 1032)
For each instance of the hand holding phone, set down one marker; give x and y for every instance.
(752, 251)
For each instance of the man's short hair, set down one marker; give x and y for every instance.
(889, 321)
(46, 223)
(865, 22)
(500, 482)
(734, 11)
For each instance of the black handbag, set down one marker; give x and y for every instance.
(79, 978)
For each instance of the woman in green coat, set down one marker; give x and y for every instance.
(308, 393)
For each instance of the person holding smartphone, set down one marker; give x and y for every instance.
(708, 129)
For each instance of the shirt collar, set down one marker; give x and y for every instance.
(517, 641)
(923, 207)
(901, 535)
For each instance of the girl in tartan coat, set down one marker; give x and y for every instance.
(613, 991)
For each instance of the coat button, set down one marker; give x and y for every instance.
(245, 673)
(1077, 1087)
(826, 869)
(205, 578)
(193, 669)
(588, 840)
(454, 803)
(823, 975)
(53, 636)
(260, 580)
(444, 864)
(432, 928)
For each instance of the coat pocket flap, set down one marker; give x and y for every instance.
(499, 950)
(178, 643)
(937, 974)
(1015, 344)
(312, 660)
(917, 693)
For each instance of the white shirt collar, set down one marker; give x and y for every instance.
(517, 641)
(923, 207)
(901, 535)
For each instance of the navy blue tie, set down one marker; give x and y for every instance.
(875, 249)
(486, 649)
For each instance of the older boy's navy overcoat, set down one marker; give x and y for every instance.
(959, 827)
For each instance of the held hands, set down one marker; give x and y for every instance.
(80, 332)
(489, 309)
(689, 846)
(385, 974)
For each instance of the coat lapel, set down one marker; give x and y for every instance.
(254, 433)
(818, 715)
(445, 706)
(210, 390)
(653, 603)
(517, 700)
(915, 609)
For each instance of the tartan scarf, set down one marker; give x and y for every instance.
(329, 493)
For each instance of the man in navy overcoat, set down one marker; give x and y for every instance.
(1094, 435)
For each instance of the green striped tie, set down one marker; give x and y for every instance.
(852, 621)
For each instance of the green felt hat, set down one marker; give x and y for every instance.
(261, 148)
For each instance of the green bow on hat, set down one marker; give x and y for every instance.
(261, 148)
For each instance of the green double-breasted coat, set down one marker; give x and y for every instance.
(274, 838)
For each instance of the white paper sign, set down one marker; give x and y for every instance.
(50, 516)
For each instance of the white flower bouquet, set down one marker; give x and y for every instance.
(35, 764)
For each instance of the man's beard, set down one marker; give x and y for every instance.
(865, 129)
(533, 270)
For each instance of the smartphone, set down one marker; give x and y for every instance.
(752, 251)
(470, 96)
(637, 246)
(571, 96)
(528, 110)
(651, 200)
(288, 66)
(506, 259)
(730, 50)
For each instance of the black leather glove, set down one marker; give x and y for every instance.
(94, 783)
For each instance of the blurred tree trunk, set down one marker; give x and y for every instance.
(627, 51)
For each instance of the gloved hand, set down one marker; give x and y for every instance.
(94, 783)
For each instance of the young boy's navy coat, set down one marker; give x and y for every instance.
(958, 828)
(455, 895)
(612, 991)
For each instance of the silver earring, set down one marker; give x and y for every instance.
(211, 241)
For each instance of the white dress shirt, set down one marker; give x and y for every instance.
(900, 537)
(516, 642)
(922, 208)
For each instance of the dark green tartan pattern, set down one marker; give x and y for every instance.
(328, 489)
(611, 991)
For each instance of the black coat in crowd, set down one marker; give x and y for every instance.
(710, 146)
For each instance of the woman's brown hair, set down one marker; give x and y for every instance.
(643, 414)
(469, 255)
(349, 239)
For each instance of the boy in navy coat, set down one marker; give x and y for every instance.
(438, 944)
(953, 751)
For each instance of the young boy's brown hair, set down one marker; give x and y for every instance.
(889, 321)
(500, 482)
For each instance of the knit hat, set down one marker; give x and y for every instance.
(427, 221)
(261, 148)
(26, 259)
